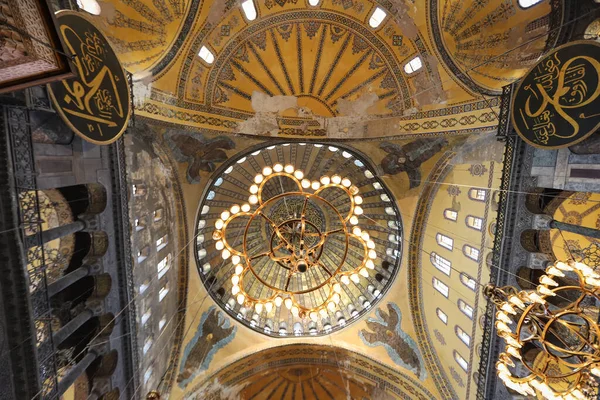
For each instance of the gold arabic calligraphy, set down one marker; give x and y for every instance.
(570, 92)
(89, 95)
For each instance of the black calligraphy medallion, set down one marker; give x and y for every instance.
(557, 103)
(96, 103)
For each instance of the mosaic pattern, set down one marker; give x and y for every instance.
(214, 332)
(385, 331)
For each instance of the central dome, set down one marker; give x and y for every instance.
(297, 239)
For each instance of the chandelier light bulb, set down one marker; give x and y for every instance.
(254, 189)
(346, 182)
(246, 207)
(355, 278)
(331, 306)
(235, 209)
(323, 313)
(278, 301)
(545, 291)
(288, 303)
(358, 200)
(353, 190)
(219, 245)
(555, 272)
(356, 231)
(358, 210)
(345, 280)
(336, 179)
(337, 287)
(364, 272)
(596, 370)
(516, 301)
(535, 298)
(353, 220)
(298, 174)
(546, 280)
(315, 185)
(235, 279)
(235, 259)
(512, 342)
(370, 264)
(239, 269)
(277, 167)
(253, 199)
(513, 351)
(219, 224)
(592, 281)
(267, 171)
(314, 316)
(372, 254)
(508, 308)
(268, 306)
(225, 254)
(305, 183)
(235, 290)
(258, 307)
(503, 317)
(241, 298)
(225, 215)
(295, 311)
(289, 169)
(325, 180)
(365, 235)
(563, 266)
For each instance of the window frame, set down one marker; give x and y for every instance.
(464, 278)
(456, 359)
(536, 2)
(477, 191)
(441, 266)
(439, 237)
(162, 242)
(462, 339)
(435, 282)
(449, 210)
(477, 223)
(210, 52)
(439, 311)
(380, 22)
(467, 254)
(245, 10)
(161, 268)
(465, 309)
(409, 64)
(162, 294)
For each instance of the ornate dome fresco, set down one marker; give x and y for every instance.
(297, 239)
(142, 33)
(477, 40)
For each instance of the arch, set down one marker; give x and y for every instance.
(468, 281)
(106, 366)
(450, 214)
(462, 335)
(441, 263)
(471, 252)
(88, 199)
(465, 308)
(478, 194)
(461, 361)
(98, 245)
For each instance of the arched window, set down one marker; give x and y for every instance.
(147, 374)
(441, 263)
(139, 190)
(146, 317)
(157, 214)
(377, 17)
(162, 323)
(441, 287)
(161, 243)
(462, 335)
(471, 252)
(249, 10)
(140, 224)
(314, 2)
(461, 361)
(477, 194)
(147, 345)
(163, 292)
(143, 254)
(442, 316)
(164, 265)
(468, 281)
(474, 222)
(206, 55)
(528, 3)
(465, 308)
(444, 241)
(413, 65)
(144, 286)
(90, 6)
(450, 214)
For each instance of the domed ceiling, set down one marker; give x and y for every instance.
(477, 39)
(288, 248)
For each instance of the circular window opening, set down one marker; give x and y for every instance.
(297, 239)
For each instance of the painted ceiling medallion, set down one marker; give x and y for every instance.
(293, 249)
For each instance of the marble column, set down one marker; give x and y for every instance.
(578, 229)
(71, 327)
(67, 280)
(74, 373)
(60, 231)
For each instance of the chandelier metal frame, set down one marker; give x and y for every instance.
(567, 338)
(297, 255)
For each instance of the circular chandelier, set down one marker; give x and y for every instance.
(290, 252)
(551, 334)
(296, 244)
